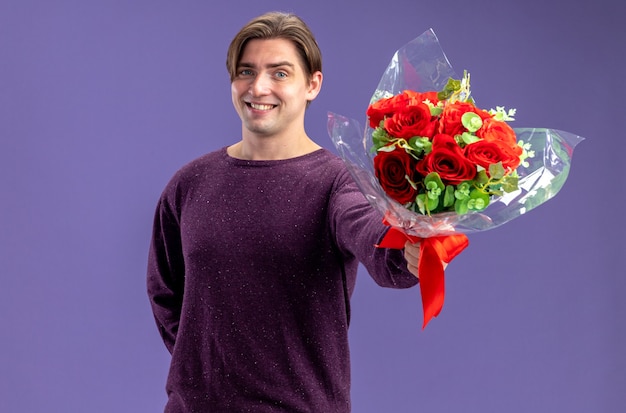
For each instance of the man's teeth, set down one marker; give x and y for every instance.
(261, 107)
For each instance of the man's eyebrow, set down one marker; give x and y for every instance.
(269, 65)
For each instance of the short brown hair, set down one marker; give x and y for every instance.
(277, 25)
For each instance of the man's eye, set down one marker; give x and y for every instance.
(245, 72)
(281, 75)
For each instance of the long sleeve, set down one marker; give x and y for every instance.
(358, 227)
(165, 274)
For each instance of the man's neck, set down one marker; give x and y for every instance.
(268, 149)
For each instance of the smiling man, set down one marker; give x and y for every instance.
(270, 91)
(255, 247)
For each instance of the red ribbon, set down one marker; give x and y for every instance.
(433, 252)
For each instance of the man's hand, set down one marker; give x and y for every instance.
(412, 256)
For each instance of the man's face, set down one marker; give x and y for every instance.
(271, 89)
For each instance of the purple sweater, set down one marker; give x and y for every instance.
(250, 273)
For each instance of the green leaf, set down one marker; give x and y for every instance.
(432, 203)
(471, 121)
(387, 148)
(496, 170)
(481, 177)
(380, 138)
(425, 204)
(460, 206)
(434, 177)
(462, 190)
(435, 111)
(433, 192)
(448, 90)
(448, 196)
(420, 201)
(500, 114)
(478, 200)
(420, 145)
(468, 138)
(510, 183)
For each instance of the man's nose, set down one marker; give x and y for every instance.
(260, 85)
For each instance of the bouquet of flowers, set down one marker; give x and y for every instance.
(436, 151)
(438, 167)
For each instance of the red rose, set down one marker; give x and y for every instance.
(413, 120)
(501, 134)
(377, 111)
(485, 153)
(447, 159)
(391, 169)
(386, 107)
(497, 130)
(450, 120)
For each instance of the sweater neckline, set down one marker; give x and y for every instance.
(244, 162)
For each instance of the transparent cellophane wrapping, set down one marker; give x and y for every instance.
(421, 65)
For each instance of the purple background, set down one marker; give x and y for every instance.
(101, 101)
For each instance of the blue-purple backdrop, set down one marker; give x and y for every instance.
(101, 101)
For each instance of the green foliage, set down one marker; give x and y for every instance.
(420, 146)
(463, 190)
(448, 90)
(448, 197)
(510, 183)
(500, 114)
(417, 146)
(434, 190)
(478, 200)
(496, 170)
(474, 195)
(380, 138)
(466, 138)
(471, 121)
(435, 110)
(456, 90)
(481, 178)
(460, 207)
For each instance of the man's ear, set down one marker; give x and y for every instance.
(315, 85)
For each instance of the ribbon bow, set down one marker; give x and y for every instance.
(433, 252)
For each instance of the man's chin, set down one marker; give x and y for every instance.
(262, 131)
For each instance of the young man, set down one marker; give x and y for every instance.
(255, 247)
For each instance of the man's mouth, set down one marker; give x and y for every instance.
(258, 106)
